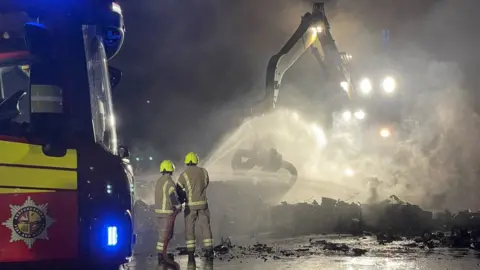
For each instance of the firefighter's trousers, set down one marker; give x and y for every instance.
(198, 219)
(165, 225)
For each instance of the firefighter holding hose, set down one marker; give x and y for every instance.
(192, 187)
(167, 207)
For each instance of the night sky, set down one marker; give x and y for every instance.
(185, 61)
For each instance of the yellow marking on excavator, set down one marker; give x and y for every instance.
(311, 36)
(37, 178)
(15, 153)
(22, 190)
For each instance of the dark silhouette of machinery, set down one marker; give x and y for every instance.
(312, 33)
(265, 156)
(267, 159)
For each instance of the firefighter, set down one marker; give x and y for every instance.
(192, 184)
(167, 207)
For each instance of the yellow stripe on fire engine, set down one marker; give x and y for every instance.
(32, 155)
(37, 178)
(23, 190)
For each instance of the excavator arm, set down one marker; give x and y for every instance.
(313, 32)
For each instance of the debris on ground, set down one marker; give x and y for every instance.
(388, 221)
(265, 252)
(224, 247)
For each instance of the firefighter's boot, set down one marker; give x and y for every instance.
(191, 265)
(160, 258)
(209, 254)
(171, 256)
(191, 255)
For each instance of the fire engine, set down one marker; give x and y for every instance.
(65, 183)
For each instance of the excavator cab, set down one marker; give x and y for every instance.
(65, 183)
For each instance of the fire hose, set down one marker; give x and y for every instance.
(166, 239)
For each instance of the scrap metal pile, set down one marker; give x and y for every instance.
(388, 221)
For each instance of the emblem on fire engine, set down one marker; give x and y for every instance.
(29, 222)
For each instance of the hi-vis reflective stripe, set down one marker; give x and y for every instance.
(46, 98)
(23, 190)
(159, 246)
(191, 244)
(207, 242)
(25, 167)
(188, 187)
(196, 203)
(163, 211)
(189, 191)
(166, 196)
(164, 192)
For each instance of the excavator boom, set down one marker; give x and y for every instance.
(313, 32)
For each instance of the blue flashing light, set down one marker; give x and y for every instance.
(109, 189)
(112, 235)
(39, 25)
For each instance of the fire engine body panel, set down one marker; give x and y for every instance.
(44, 188)
(65, 192)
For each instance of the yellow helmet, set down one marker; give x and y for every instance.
(167, 166)
(191, 159)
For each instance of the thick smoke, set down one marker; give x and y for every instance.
(217, 65)
(434, 163)
(196, 59)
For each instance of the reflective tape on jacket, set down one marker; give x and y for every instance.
(190, 201)
(166, 194)
(163, 211)
(166, 206)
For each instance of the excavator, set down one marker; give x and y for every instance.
(65, 182)
(313, 33)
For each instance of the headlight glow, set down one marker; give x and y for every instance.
(349, 172)
(360, 114)
(389, 84)
(347, 115)
(385, 132)
(366, 86)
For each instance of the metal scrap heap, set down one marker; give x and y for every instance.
(388, 221)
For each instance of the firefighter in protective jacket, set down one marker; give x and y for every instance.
(192, 185)
(167, 207)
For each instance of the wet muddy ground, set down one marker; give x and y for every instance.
(328, 252)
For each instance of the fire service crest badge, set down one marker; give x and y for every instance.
(28, 222)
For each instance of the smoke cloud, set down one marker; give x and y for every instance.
(203, 72)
